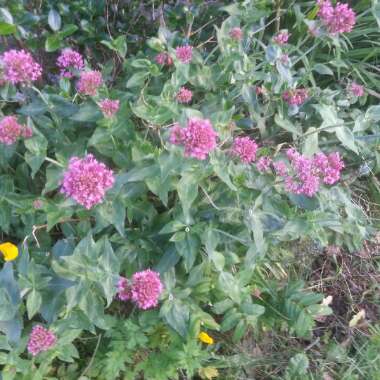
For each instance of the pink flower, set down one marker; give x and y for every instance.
(356, 89)
(263, 164)
(69, 59)
(295, 97)
(89, 82)
(328, 167)
(245, 149)
(109, 107)
(164, 59)
(236, 33)
(260, 90)
(19, 67)
(281, 38)
(184, 53)
(280, 168)
(124, 289)
(87, 180)
(177, 134)
(184, 95)
(146, 289)
(37, 204)
(337, 20)
(11, 130)
(40, 340)
(305, 174)
(198, 138)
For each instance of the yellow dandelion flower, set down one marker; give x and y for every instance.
(9, 251)
(205, 338)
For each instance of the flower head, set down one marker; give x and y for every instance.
(109, 107)
(205, 338)
(305, 174)
(263, 164)
(11, 130)
(89, 82)
(69, 59)
(146, 289)
(37, 204)
(281, 38)
(40, 340)
(236, 33)
(124, 289)
(87, 181)
(338, 19)
(198, 138)
(177, 134)
(295, 97)
(9, 251)
(328, 167)
(164, 59)
(356, 89)
(19, 67)
(184, 95)
(245, 149)
(184, 53)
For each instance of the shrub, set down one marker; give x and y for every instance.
(153, 193)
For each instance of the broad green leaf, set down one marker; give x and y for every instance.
(176, 314)
(6, 28)
(187, 189)
(33, 303)
(54, 20)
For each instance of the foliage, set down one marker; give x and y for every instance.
(215, 229)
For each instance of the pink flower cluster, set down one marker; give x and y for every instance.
(338, 19)
(356, 89)
(40, 340)
(164, 59)
(245, 149)
(87, 180)
(69, 59)
(281, 38)
(19, 67)
(198, 138)
(109, 107)
(89, 82)
(236, 33)
(184, 95)
(295, 97)
(11, 130)
(263, 164)
(184, 53)
(144, 289)
(305, 174)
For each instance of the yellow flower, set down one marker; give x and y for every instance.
(9, 251)
(205, 338)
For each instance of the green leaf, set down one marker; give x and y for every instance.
(322, 69)
(346, 137)
(310, 145)
(52, 43)
(188, 248)
(33, 303)
(54, 20)
(67, 30)
(6, 28)
(176, 314)
(287, 125)
(137, 79)
(304, 202)
(88, 112)
(187, 189)
(229, 286)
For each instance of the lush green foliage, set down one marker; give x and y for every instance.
(219, 232)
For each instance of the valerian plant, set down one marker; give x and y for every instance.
(150, 194)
